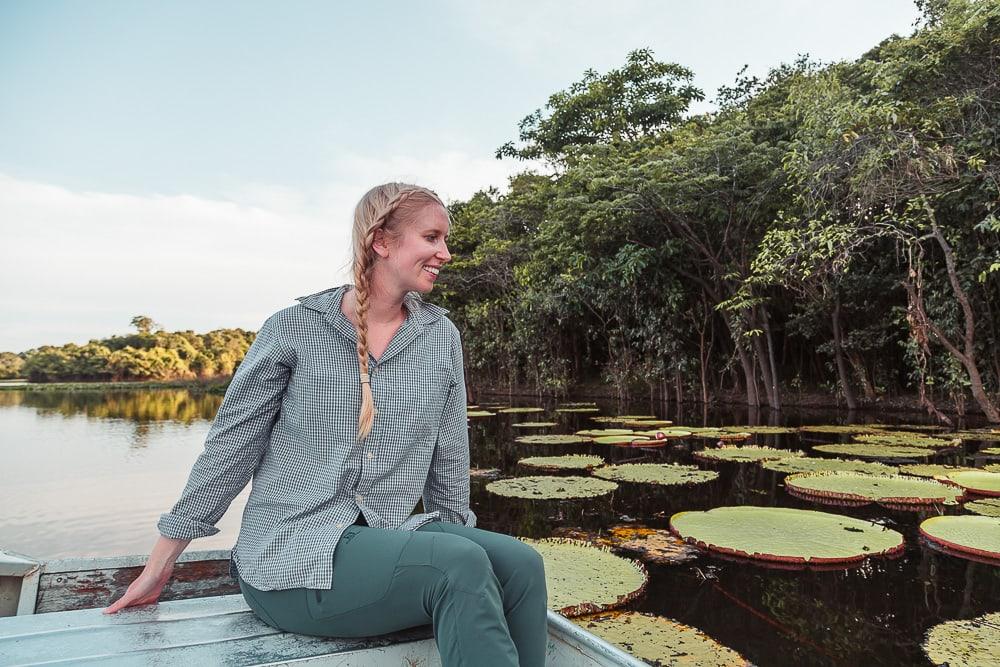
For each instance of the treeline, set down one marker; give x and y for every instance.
(830, 227)
(145, 355)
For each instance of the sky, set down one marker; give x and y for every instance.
(198, 162)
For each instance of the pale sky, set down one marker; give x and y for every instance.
(198, 162)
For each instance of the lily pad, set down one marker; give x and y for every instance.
(984, 507)
(634, 417)
(552, 439)
(633, 439)
(661, 641)
(981, 436)
(745, 454)
(906, 440)
(544, 487)
(534, 424)
(735, 436)
(601, 432)
(665, 433)
(760, 430)
(992, 451)
(518, 411)
(484, 473)
(578, 410)
(859, 487)
(796, 465)
(930, 469)
(869, 451)
(647, 423)
(665, 474)
(568, 462)
(479, 413)
(992, 467)
(648, 544)
(471, 407)
(977, 481)
(584, 579)
(785, 535)
(711, 432)
(971, 643)
(604, 419)
(837, 429)
(975, 535)
(579, 404)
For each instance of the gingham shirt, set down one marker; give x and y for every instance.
(289, 420)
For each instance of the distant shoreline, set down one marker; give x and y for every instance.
(216, 386)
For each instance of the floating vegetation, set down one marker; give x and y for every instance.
(981, 436)
(647, 423)
(784, 535)
(551, 488)
(665, 433)
(519, 411)
(858, 487)
(992, 467)
(704, 431)
(661, 641)
(977, 481)
(738, 436)
(560, 439)
(579, 404)
(665, 474)
(796, 465)
(930, 428)
(479, 413)
(992, 451)
(633, 439)
(578, 409)
(584, 579)
(906, 440)
(760, 430)
(568, 462)
(604, 419)
(970, 643)
(484, 473)
(930, 469)
(745, 454)
(870, 451)
(622, 418)
(601, 432)
(984, 507)
(965, 534)
(649, 544)
(534, 424)
(471, 407)
(838, 429)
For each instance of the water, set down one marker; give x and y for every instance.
(87, 474)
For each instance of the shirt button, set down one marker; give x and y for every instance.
(340, 525)
(370, 455)
(359, 497)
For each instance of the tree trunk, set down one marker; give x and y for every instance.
(749, 377)
(861, 372)
(838, 353)
(775, 390)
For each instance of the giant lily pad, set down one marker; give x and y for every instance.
(992, 467)
(584, 579)
(971, 643)
(551, 488)
(572, 410)
(984, 507)
(579, 404)
(930, 469)
(601, 432)
(479, 413)
(661, 641)
(518, 411)
(664, 433)
(624, 440)
(965, 534)
(794, 465)
(869, 451)
(977, 481)
(647, 423)
(551, 439)
(760, 430)
(992, 451)
(664, 474)
(859, 487)
(906, 440)
(981, 436)
(745, 454)
(568, 462)
(785, 535)
(837, 429)
(634, 417)
(534, 424)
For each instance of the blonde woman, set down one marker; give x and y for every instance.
(348, 408)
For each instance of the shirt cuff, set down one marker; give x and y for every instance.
(182, 528)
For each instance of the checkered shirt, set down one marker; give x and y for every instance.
(289, 421)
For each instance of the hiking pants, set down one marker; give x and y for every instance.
(483, 592)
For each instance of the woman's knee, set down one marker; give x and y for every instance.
(463, 562)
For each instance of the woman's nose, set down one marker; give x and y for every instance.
(444, 255)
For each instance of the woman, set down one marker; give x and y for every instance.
(345, 411)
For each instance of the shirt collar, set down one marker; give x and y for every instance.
(328, 302)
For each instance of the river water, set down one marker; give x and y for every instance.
(88, 473)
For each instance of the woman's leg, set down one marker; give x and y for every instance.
(386, 580)
(521, 573)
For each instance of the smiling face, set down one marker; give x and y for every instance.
(411, 259)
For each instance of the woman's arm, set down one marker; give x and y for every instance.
(149, 584)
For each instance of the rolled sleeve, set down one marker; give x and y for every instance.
(237, 439)
(447, 488)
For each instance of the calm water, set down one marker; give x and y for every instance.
(89, 473)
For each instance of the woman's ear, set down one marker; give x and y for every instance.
(380, 243)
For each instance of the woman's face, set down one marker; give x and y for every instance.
(412, 259)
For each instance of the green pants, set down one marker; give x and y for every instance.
(483, 592)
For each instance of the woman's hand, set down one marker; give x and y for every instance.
(147, 587)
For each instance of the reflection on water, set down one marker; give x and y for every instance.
(89, 473)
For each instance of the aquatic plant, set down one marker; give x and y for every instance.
(906, 440)
(984, 507)
(601, 432)
(859, 487)
(745, 454)
(992, 451)
(581, 410)
(869, 451)
(567, 462)
(518, 411)
(977, 481)
(785, 535)
(534, 424)
(665, 474)
(760, 430)
(584, 579)
(660, 640)
(479, 413)
(969, 643)
(544, 487)
(805, 464)
(665, 433)
(930, 469)
(624, 439)
(838, 429)
(965, 534)
(647, 423)
(649, 544)
(552, 439)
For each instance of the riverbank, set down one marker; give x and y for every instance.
(214, 386)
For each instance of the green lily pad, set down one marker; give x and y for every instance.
(579, 404)
(471, 407)
(992, 451)
(665, 433)
(647, 423)
(930, 469)
(985, 507)
(971, 643)
(785, 535)
(661, 641)
(796, 465)
(552, 439)
(665, 474)
(624, 440)
(534, 424)
(930, 428)
(584, 579)
(479, 413)
(760, 430)
(745, 454)
(906, 440)
(604, 419)
(980, 436)
(711, 432)
(551, 488)
(992, 467)
(634, 417)
(977, 481)
(581, 410)
(966, 534)
(837, 429)
(859, 487)
(601, 432)
(868, 451)
(568, 462)
(484, 473)
(519, 411)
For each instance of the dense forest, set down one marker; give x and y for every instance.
(830, 227)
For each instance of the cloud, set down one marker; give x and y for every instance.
(78, 265)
